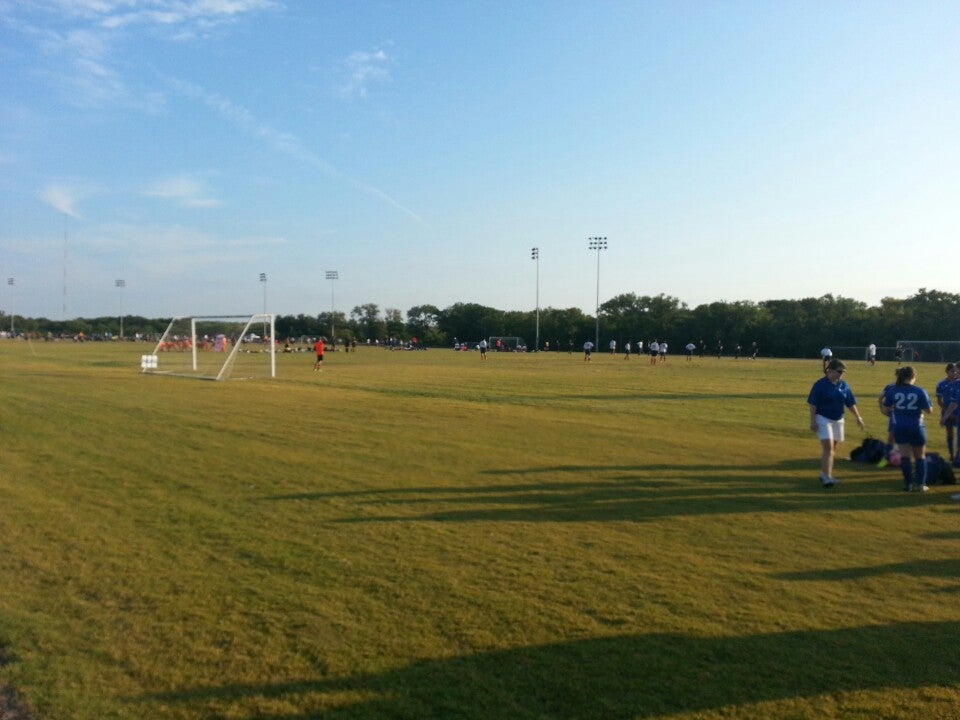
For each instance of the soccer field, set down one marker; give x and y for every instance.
(429, 535)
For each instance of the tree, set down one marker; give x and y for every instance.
(367, 322)
(423, 323)
(561, 326)
(394, 322)
(470, 321)
(931, 315)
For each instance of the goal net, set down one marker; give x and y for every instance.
(499, 343)
(929, 350)
(215, 348)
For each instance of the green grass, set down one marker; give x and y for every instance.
(422, 535)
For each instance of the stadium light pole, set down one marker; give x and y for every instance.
(10, 283)
(263, 279)
(121, 284)
(598, 244)
(535, 255)
(331, 276)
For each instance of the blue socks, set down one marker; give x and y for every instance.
(906, 467)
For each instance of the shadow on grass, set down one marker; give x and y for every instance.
(623, 492)
(617, 678)
(955, 535)
(947, 569)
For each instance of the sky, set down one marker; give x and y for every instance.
(726, 151)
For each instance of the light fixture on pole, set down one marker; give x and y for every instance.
(10, 283)
(598, 244)
(121, 284)
(535, 255)
(263, 279)
(331, 276)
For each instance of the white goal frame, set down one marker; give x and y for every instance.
(929, 350)
(150, 363)
(515, 342)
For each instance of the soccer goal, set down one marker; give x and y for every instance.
(929, 350)
(218, 347)
(499, 343)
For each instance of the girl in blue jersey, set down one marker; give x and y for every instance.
(906, 404)
(883, 393)
(943, 395)
(827, 400)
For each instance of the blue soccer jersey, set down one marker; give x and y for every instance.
(943, 391)
(951, 394)
(829, 399)
(883, 395)
(908, 403)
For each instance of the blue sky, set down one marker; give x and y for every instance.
(727, 151)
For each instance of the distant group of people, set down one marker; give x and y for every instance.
(657, 350)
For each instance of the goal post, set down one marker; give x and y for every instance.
(215, 347)
(502, 343)
(905, 351)
(929, 350)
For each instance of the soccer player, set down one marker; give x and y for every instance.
(827, 399)
(318, 349)
(883, 394)
(942, 392)
(906, 404)
(587, 350)
(826, 354)
(654, 349)
(690, 348)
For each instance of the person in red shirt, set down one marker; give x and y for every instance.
(318, 348)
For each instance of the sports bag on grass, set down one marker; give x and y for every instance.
(870, 450)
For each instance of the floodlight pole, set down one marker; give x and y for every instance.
(65, 229)
(331, 276)
(10, 283)
(121, 284)
(263, 279)
(598, 244)
(535, 255)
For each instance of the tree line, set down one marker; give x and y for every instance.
(781, 328)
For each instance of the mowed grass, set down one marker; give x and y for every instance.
(425, 535)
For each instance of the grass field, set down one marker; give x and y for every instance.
(422, 535)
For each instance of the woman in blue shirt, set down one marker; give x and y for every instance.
(827, 400)
(943, 394)
(906, 404)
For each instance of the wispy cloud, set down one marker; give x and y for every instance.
(82, 33)
(184, 189)
(281, 142)
(112, 14)
(364, 68)
(62, 198)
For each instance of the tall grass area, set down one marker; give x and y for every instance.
(425, 535)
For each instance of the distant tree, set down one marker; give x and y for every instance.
(394, 323)
(561, 326)
(630, 317)
(931, 315)
(469, 321)
(367, 322)
(423, 323)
